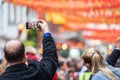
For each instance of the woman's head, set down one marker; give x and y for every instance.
(93, 58)
(95, 63)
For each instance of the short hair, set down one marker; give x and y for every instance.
(16, 55)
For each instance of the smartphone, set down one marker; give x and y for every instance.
(32, 25)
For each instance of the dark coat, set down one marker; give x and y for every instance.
(43, 70)
(112, 59)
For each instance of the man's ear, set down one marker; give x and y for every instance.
(24, 57)
(25, 60)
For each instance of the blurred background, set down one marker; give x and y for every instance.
(75, 24)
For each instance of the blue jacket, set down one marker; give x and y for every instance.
(100, 76)
(111, 61)
(43, 70)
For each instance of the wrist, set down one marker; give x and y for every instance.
(46, 31)
(47, 34)
(117, 48)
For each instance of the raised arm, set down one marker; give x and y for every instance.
(49, 62)
(115, 54)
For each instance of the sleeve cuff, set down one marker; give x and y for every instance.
(47, 34)
(117, 48)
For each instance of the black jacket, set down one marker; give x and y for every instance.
(113, 57)
(43, 70)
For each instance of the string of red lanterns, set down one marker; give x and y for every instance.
(80, 12)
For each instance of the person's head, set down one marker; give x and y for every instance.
(95, 62)
(14, 51)
(30, 50)
(30, 53)
(63, 65)
(93, 59)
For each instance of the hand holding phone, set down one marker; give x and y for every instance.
(44, 26)
(40, 25)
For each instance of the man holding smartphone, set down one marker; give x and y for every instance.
(34, 70)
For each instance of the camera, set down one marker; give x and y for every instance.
(33, 25)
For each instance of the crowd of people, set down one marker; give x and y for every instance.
(23, 63)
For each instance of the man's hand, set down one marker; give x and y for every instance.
(43, 26)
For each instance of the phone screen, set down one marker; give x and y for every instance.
(31, 25)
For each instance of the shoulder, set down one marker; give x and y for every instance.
(34, 63)
(115, 70)
(99, 76)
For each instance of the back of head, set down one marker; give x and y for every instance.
(30, 50)
(63, 65)
(30, 53)
(96, 61)
(14, 51)
(93, 58)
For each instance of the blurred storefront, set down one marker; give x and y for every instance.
(12, 21)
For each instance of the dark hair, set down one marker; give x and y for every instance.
(16, 55)
(61, 63)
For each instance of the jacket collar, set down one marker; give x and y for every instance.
(16, 67)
